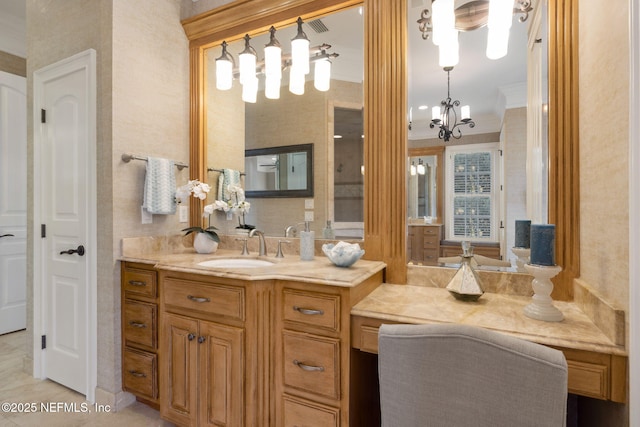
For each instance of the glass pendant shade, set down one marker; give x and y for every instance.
(449, 50)
(412, 169)
(247, 61)
(300, 50)
(322, 75)
(296, 81)
(497, 43)
(224, 74)
(444, 20)
(273, 56)
(250, 90)
(421, 169)
(272, 87)
(465, 112)
(500, 14)
(435, 113)
(224, 69)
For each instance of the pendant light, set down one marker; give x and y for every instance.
(224, 69)
(247, 61)
(300, 50)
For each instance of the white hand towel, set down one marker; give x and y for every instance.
(160, 187)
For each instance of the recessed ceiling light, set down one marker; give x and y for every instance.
(423, 107)
(337, 136)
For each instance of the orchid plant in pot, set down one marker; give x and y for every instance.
(206, 239)
(236, 205)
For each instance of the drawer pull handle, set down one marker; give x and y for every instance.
(137, 283)
(308, 311)
(138, 374)
(309, 368)
(198, 299)
(137, 324)
(191, 337)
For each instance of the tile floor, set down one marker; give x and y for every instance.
(20, 388)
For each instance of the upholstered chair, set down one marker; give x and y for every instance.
(456, 376)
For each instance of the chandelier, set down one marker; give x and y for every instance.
(297, 63)
(447, 118)
(443, 22)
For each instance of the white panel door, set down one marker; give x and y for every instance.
(13, 202)
(66, 157)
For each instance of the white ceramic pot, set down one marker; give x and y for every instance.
(203, 244)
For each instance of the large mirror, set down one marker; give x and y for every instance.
(385, 92)
(479, 207)
(287, 146)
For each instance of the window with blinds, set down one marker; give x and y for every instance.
(473, 203)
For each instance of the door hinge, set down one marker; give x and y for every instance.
(44, 342)
(43, 115)
(43, 230)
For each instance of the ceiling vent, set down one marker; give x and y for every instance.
(318, 26)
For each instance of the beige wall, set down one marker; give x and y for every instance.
(13, 64)
(604, 139)
(142, 75)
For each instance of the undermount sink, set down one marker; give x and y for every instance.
(236, 263)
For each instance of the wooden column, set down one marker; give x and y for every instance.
(564, 177)
(386, 135)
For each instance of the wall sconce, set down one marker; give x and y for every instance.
(421, 169)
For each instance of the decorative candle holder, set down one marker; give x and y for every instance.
(523, 257)
(542, 308)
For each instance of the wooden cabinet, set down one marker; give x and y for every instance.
(216, 370)
(313, 352)
(424, 244)
(139, 296)
(203, 372)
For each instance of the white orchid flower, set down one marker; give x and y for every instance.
(208, 209)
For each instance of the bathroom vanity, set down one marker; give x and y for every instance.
(243, 346)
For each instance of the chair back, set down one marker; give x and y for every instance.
(455, 375)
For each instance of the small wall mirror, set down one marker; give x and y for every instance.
(285, 171)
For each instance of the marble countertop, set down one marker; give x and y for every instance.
(319, 271)
(500, 312)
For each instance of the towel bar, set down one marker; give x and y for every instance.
(128, 157)
(221, 170)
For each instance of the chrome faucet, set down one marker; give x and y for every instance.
(289, 229)
(263, 246)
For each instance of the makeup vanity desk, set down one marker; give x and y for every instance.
(597, 366)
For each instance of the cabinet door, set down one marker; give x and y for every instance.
(179, 379)
(221, 375)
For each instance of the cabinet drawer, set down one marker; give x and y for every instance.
(312, 363)
(140, 324)
(204, 297)
(431, 242)
(140, 373)
(139, 282)
(430, 256)
(431, 231)
(312, 309)
(301, 413)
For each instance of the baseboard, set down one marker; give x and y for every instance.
(116, 401)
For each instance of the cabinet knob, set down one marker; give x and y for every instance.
(201, 339)
(198, 299)
(191, 337)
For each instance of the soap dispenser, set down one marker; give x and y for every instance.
(307, 238)
(327, 232)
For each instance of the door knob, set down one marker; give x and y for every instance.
(79, 250)
(7, 235)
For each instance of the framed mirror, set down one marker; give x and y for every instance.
(285, 171)
(385, 118)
